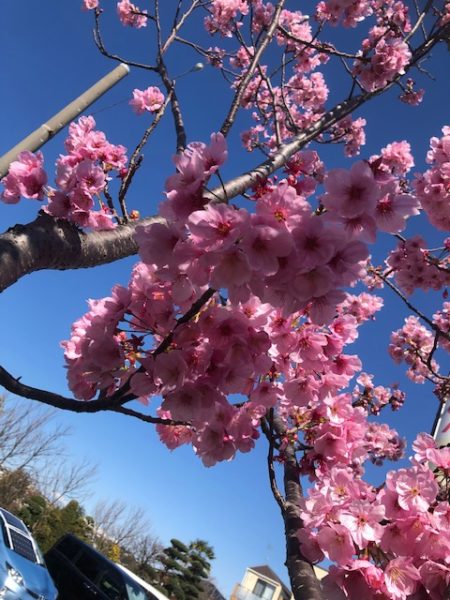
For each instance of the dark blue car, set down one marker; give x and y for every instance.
(23, 574)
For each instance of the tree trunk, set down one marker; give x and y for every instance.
(304, 583)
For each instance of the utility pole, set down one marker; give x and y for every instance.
(49, 129)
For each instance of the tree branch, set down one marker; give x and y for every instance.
(269, 433)
(101, 47)
(48, 243)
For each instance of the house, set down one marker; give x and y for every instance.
(261, 583)
(210, 592)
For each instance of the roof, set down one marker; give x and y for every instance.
(266, 571)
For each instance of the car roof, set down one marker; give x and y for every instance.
(86, 546)
(159, 595)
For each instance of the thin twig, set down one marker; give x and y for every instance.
(101, 46)
(411, 306)
(136, 157)
(147, 418)
(229, 119)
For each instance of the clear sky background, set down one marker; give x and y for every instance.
(48, 59)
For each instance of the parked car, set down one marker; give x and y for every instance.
(82, 573)
(23, 574)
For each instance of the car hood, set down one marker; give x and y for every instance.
(36, 577)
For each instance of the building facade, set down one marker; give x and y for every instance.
(262, 583)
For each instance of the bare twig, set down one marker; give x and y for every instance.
(229, 119)
(101, 46)
(136, 157)
(411, 306)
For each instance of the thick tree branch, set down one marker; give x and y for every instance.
(48, 243)
(15, 386)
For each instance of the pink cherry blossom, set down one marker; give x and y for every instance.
(130, 15)
(335, 541)
(89, 4)
(26, 177)
(351, 193)
(401, 577)
(363, 522)
(150, 99)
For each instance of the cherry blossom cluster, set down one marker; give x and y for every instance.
(264, 340)
(369, 196)
(433, 186)
(384, 54)
(26, 178)
(150, 99)
(82, 174)
(130, 15)
(349, 14)
(413, 344)
(387, 543)
(388, 58)
(351, 132)
(282, 252)
(415, 267)
(375, 398)
(410, 95)
(248, 349)
(442, 320)
(184, 190)
(223, 14)
(299, 102)
(363, 307)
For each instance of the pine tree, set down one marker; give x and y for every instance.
(185, 568)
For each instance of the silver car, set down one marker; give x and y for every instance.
(23, 574)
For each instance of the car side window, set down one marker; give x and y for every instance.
(89, 565)
(111, 587)
(69, 547)
(5, 535)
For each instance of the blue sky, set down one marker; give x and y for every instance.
(49, 58)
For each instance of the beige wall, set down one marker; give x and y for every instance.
(251, 577)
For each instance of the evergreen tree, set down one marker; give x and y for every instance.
(48, 523)
(185, 568)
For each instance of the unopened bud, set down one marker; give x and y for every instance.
(198, 66)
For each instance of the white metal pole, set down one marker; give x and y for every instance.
(46, 131)
(441, 428)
